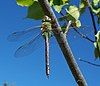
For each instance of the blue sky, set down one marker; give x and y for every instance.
(30, 70)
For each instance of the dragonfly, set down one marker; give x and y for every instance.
(29, 47)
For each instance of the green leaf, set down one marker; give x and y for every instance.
(74, 12)
(95, 10)
(58, 8)
(97, 50)
(96, 2)
(57, 2)
(65, 1)
(35, 11)
(78, 23)
(98, 36)
(60, 2)
(25, 2)
(51, 2)
(70, 17)
(97, 45)
(97, 53)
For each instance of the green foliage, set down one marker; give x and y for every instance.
(96, 2)
(95, 10)
(77, 23)
(35, 11)
(25, 2)
(58, 8)
(73, 14)
(58, 4)
(97, 45)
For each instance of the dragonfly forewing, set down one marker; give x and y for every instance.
(30, 46)
(21, 35)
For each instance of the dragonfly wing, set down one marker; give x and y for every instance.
(15, 36)
(29, 47)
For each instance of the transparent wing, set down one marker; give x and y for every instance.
(29, 47)
(20, 35)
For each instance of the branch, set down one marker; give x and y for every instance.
(97, 65)
(83, 36)
(67, 27)
(61, 39)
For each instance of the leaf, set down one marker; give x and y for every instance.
(65, 1)
(97, 50)
(57, 2)
(98, 36)
(25, 2)
(51, 2)
(60, 2)
(58, 8)
(97, 45)
(74, 12)
(96, 2)
(35, 11)
(95, 10)
(97, 53)
(78, 23)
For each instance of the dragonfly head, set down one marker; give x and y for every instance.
(46, 19)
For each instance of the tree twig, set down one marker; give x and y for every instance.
(83, 36)
(68, 26)
(97, 65)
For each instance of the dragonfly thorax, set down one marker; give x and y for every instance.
(46, 26)
(46, 29)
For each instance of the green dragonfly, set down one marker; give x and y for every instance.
(44, 33)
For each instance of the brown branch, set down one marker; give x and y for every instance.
(61, 39)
